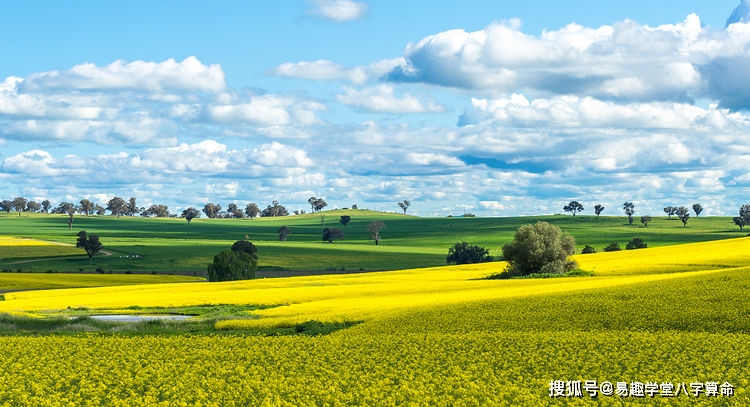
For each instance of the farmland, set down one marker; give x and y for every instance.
(673, 314)
(146, 245)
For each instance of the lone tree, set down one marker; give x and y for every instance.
(331, 234)
(404, 205)
(573, 207)
(684, 214)
(317, 204)
(232, 265)
(598, 209)
(90, 243)
(539, 248)
(190, 214)
(697, 208)
(463, 253)
(744, 217)
(374, 229)
(629, 209)
(344, 220)
(283, 232)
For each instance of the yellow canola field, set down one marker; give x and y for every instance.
(9, 241)
(361, 297)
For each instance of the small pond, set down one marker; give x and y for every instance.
(138, 318)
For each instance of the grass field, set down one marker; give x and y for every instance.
(148, 245)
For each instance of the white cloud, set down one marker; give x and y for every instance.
(267, 110)
(625, 61)
(382, 99)
(338, 10)
(188, 75)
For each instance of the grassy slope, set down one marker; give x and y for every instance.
(171, 245)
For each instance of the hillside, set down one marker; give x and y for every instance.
(145, 245)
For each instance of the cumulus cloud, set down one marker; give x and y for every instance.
(338, 10)
(382, 99)
(625, 61)
(267, 110)
(188, 75)
(327, 70)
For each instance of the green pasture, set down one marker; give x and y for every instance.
(146, 245)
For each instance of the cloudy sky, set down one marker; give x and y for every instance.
(486, 107)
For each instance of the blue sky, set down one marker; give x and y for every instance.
(494, 108)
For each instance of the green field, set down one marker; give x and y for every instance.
(145, 245)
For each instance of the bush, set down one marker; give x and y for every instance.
(462, 253)
(636, 243)
(539, 248)
(612, 247)
(588, 249)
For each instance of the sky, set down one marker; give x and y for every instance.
(492, 108)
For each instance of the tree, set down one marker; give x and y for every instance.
(629, 209)
(283, 233)
(190, 214)
(245, 246)
(744, 217)
(6, 205)
(404, 205)
(684, 214)
(598, 209)
(645, 220)
(64, 208)
(86, 206)
(574, 207)
(331, 234)
(32, 206)
(588, 250)
(132, 208)
(234, 211)
(374, 229)
(539, 248)
(89, 243)
(670, 210)
(160, 211)
(739, 221)
(697, 208)
(46, 204)
(19, 204)
(344, 220)
(745, 212)
(211, 210)
(230, 265)
(252, 210)
(317, 203)
(463, 253)
(100, 210)
(117, 206)
(274, 210)
(636, 243)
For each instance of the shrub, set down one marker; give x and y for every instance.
(539, 248)
(463, 253)
(588, 249)
(636, 243)
(612, 247)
